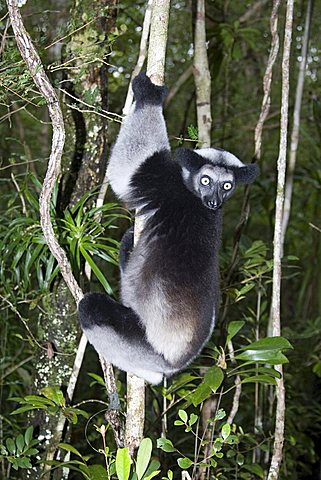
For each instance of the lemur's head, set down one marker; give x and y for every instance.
(212, 174)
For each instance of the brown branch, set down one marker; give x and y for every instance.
(278, 247)
(34, 64)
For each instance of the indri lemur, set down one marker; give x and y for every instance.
(170, 279)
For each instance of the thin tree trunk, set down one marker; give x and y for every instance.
(155, 70)
(277, 253)
(296, 121)
(202, 78)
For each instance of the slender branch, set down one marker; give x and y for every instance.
(296, 121)
(141, 55)
(265, 109)
(278, 246)
(41, 80)
(155, 70)
(267, 80)
(178, 84)
(202, 78)
(252, 11)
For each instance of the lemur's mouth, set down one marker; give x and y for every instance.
(213, 205)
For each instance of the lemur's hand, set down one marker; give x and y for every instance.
(146, 92)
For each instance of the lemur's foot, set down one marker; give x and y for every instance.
(146, 92)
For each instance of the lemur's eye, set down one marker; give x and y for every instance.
(227, 185)
(205, 180)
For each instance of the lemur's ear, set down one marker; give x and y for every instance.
(246, 174)
(189, 159)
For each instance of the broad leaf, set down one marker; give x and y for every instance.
(233, 328)
(123, 462)
(143, 456)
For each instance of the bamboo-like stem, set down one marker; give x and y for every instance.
(296, 121)
(202, 78)
(277, 252)
(34, 65)
(155, 70)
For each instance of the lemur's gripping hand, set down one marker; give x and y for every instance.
(146, 92)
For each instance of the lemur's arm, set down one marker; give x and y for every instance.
(142, 133)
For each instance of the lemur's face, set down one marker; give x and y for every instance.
(213, 185)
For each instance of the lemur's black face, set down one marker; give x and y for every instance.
(213, 185)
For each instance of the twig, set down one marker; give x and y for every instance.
(296, 121)
(277, 253)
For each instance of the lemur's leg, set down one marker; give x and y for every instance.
(126, 247)
(117, 334)
(142, 133)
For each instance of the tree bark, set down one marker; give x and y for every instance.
(155, 70)
(202, 78)
(278, 246)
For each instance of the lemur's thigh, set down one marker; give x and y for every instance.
(126, 247)
(117, 334)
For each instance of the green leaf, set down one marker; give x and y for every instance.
(233, 328)
(123, 462)
(266, 379)
(11, 446)
(193, 419)
(256, 469)
(20, 442)
(100, 276)
(97, 472)
(269, 343)
(98, 379)
(55, 394)
(69, 448)
(220, 414)
(226, 430)
(143, 456)
(201, 393)
(214, 378)
(28, 408)
(239, 459)
(152, 468)
(271, 357)
(166, 445)
(152, 475)
(183, 415)
(184, 462)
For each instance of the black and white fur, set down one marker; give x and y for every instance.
(170, 279)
